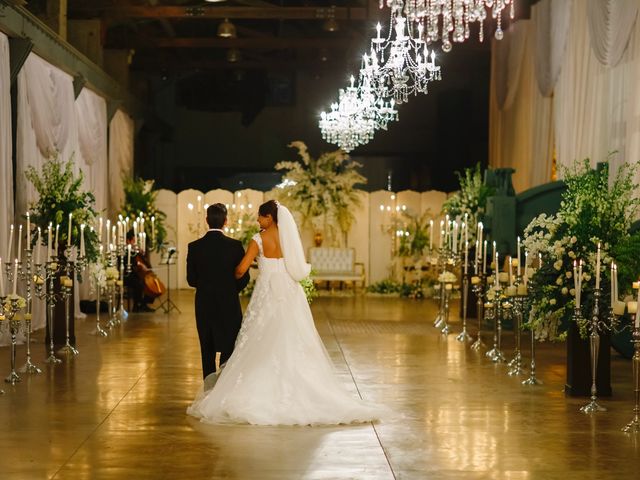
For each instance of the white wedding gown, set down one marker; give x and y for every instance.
(280, 372)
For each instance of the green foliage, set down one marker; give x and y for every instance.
(60, 193)
(416, 240)
(309, 288)
(307, 285)
(592, 210)
(140, 198)
(470, 199)
(242, 226)
(385, 287)
(627, 256)
(322, 190)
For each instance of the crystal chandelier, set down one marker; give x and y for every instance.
(400, 65)
(449, 20)
(356, 116)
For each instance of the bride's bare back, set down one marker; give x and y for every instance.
(271, 242)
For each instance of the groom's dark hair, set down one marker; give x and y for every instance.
(216, 215)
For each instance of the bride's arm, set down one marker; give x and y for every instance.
(247, 260)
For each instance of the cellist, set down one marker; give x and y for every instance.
(134, 280)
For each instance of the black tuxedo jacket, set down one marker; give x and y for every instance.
(211, 264)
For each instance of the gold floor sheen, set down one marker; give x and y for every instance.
(118, 409)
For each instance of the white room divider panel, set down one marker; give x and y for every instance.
(382, 205)
(167, 202)
(358, 237)
(191, 225)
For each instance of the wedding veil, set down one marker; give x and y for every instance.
(291, 245)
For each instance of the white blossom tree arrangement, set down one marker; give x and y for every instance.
(322, 190)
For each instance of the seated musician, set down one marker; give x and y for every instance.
(135, 280)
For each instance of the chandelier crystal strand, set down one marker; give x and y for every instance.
(448, 20)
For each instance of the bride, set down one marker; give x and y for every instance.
(279, 372)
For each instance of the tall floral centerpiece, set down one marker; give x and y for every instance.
(322, 190)
(593, 211)
(140, 199)
(471, 199)
(63, 205)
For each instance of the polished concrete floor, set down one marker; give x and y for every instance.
(118, 409)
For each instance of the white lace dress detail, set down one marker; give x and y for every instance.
(280, 372)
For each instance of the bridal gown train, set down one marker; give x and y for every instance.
(280, 372)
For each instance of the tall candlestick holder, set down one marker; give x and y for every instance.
(97, 286)
(439, 321)
(515, 365)
(10, 306)
(634, 425)
(66, 291)
(122, 313)
(478, 290)
(464, 335)
(29, 278)
(445, 318)
(51, 270)
(111, 291)
(495, 354)
(594, 349)
(532, 379)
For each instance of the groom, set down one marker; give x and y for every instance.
(211, 264)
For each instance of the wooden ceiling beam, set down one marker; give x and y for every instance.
(257, 43)
(254, 13)
(150, 65)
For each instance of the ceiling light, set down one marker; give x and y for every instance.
(227, 29)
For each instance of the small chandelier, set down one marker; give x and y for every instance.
(449, 20)
(356, 116)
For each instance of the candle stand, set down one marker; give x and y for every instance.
(51, 269)
(28, 277)
(634, 425)
(95, 285)
(478, 290)
(66, 290)
(594, 348)
(464, 336)
(519, 301)
(445, 314)
(495, 354)
(10, 306)
(122, 313)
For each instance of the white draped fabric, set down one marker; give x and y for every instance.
(46, 123)
(91, 114)
(6, 163)
(610, 25)
(551, 19)
(594, 107)
(520, 130)
(121, 131)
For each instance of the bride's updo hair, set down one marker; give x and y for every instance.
(269, 208)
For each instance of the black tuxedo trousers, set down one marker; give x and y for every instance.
(211, 264)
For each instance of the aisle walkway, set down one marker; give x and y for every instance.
(118, 410)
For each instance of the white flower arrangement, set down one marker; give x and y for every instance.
(322, 190)
(447, 277)
(112, 273)
(594, 210)
(21, 301)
